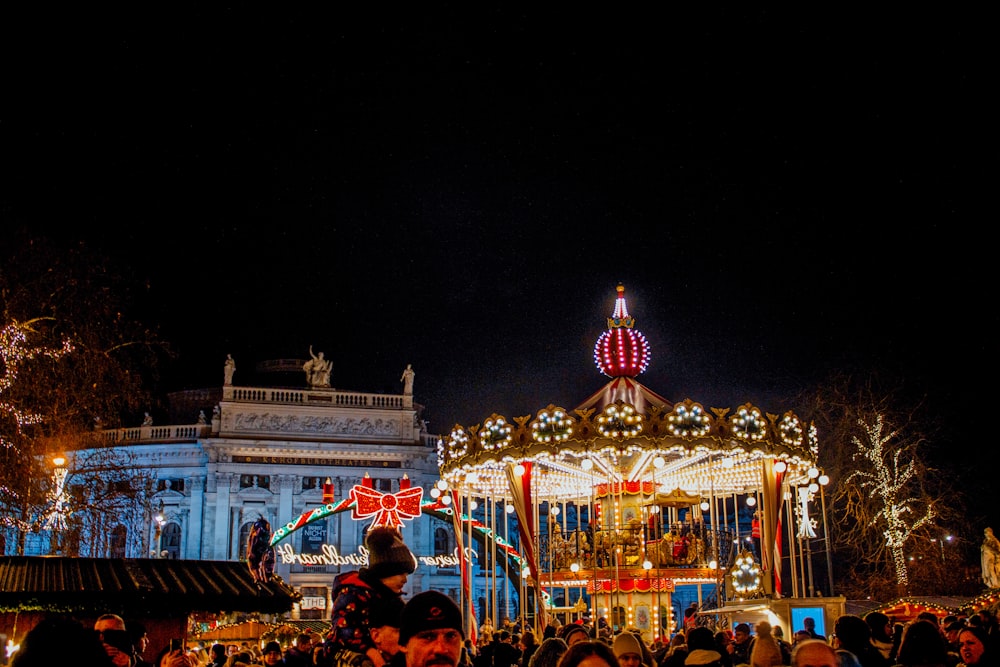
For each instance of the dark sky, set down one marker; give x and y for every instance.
(782, 194)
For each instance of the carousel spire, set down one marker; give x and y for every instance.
(622, 350)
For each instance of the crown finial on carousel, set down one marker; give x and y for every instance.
(621, 351)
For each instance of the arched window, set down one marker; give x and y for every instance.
(442, 541)
(170, 541)
(116, 545)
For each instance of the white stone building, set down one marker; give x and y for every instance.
(267, 451)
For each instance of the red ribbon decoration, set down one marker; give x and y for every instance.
(389, 509)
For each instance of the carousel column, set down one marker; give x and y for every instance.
(823, 481)
(790, 523)
(769, 519)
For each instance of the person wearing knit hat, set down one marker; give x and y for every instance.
(430, 630)
(357, 594)
(388, 556)
(627, 650)
(272, 654)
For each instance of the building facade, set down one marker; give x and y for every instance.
(278, 453)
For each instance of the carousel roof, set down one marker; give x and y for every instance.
(626, 432)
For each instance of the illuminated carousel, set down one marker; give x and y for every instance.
(626, 497)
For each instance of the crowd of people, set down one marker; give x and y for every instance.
(371, 626)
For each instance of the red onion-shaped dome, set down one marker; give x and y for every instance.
(621, 351)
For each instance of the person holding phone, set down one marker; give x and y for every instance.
(174, 657)
(116, 640)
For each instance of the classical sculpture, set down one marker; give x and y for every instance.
(991, 559)
(229, 369)
(147, 420)
(407, 379)
(317, 370)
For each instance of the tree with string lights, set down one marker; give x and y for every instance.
(24, 507)
(885, 489)
(888, 506)
(70, 360)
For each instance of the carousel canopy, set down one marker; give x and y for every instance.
(626, 432)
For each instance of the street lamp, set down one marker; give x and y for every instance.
(946, 538)
(158, 522)
(56, 520)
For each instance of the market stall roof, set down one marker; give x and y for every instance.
(134, 587)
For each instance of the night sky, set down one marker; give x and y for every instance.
(782, 195)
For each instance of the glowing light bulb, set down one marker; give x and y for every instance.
(823, 480)
(441, 484)
(446, 500)
(519, 470)
(473, 505)
(575, 567)
(751, 501)
(704, 506)
(659, 462)
(587, 464)
(813, 473)
(435, 492)
(780, 466)
(510, 509)
(555, 510)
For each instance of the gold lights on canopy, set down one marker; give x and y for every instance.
(619, 420)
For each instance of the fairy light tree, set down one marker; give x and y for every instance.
(70, 359)
(24, 510)
(886, 503)
(887, 475)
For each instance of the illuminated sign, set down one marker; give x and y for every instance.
(329, 555)
(317, 602)
(308, 461)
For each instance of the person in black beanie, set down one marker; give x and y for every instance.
(431, 631)
(357, 593)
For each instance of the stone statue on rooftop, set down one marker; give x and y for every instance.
(229, 369)
(407, 379)
(317, 370)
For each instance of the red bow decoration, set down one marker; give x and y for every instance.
(389, 508)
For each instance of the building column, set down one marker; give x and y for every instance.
(193, 547)
(220, 543)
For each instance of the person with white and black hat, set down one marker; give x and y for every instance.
(357, 593)
(430, 631)
(628, 651)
